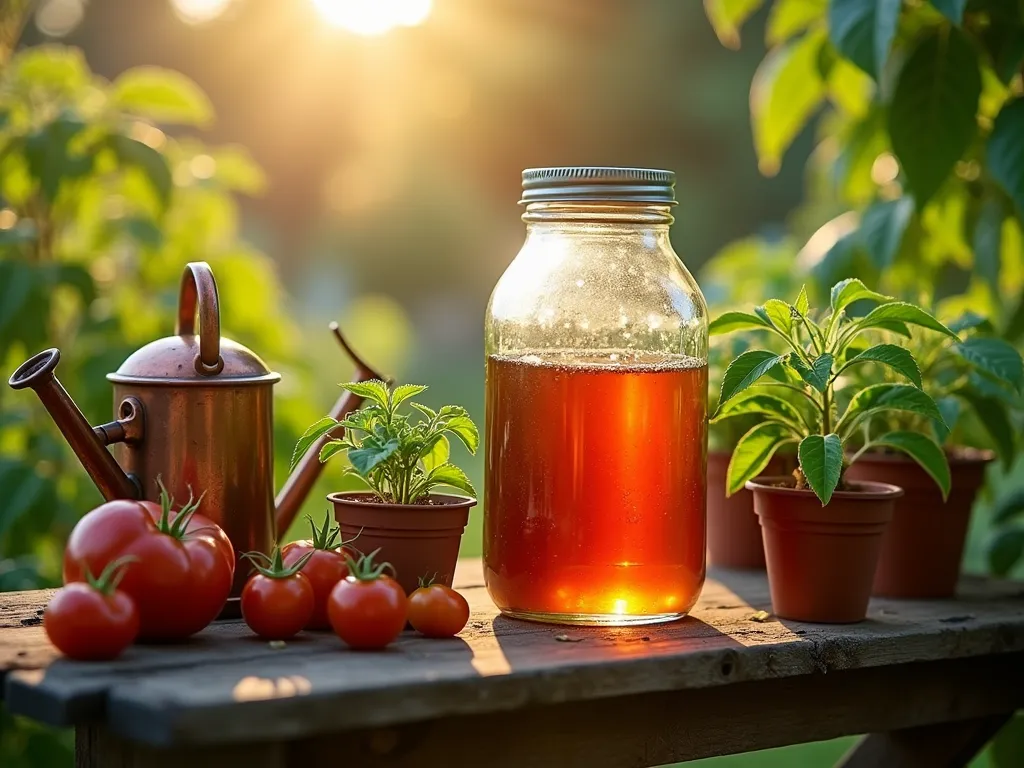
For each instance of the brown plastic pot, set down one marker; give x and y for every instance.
(924, 544)
(417, 539)
(821, 560)
(734, 535)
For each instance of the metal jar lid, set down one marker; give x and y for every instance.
(599, 185)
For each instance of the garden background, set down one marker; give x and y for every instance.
(359, 160)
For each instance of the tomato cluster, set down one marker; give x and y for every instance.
(165, 575)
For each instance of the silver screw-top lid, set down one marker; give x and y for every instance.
(598, 184)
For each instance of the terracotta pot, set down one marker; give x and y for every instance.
(417, 539)
(821, 560)
(923, 546)
(734, 535)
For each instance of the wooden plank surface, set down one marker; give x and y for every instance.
(226, 686)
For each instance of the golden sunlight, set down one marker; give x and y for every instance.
(373, 17)
(199, 11)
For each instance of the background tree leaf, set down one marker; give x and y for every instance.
(951, 9)
(148, 160)
(993, 356)
(881, 229)
(789, 18)
(988, 242)
(821, 461)
(1005, 549)
(753, 452)
(897, 358)
(996, 421)
(745, 370)
(162, 95)
(1006, 151)
(863, 31)
(50, 157)
(932, 115)
(1008, 506)
(787, 90)
(925, 451)
(727, 16)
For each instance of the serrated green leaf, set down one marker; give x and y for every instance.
(951, 9)
(803, 304)
(819, 372)
(403, 392)
(845, 292)
(1006, 549)
(753, 452)
(331, 448)
(882, 227)
(925, 451)
(897, 358)
(368, 456)
(788, 18)
(932, 117)
(863, 31)
(449, 474)
(154, 165)
(821, 461)
(727, 16)
(894, 326)
(745, 370)
(437, 455)
(315, 431)
(787, 90)
(761, 403)
(903, 313)
(374, 390)
(993, 356)
(879, 398)
(1005, 151)
(729, 322)
(466, 430)
(780, 314)
(430, 413)
(162, 95)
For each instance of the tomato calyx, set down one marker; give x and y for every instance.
(328, 537)
(272, 566)
(106, 583)
(427, 581)
(365, 569)
(179, 526)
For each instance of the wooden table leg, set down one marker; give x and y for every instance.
(942, 745)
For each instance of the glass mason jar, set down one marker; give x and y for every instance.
(596, 434)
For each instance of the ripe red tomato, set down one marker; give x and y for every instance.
(92, 621)
(324, 569)
(438, 611)
(367, 614)
(277, 608)
(184, 569)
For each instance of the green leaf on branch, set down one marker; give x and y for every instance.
(845, 292)
(770, 405)
(374, 390)
(753, 452)
(403, 392)
(50, 157)
(1006, 151)
(727, 16)
(951, 9)
(925, 451)
(803, 304)
(897, 358)
(162, 95)
(787, 90)
(863, 31)
(882, 227)
(310, 436)
(903, 313)
(449, 474)
(879, 398)
(779, 313)
(932, 117)
(437, 455)
(1003, 40)
(728, 322)
(995, 357)
(371, 453)
(789, 18)
(821, 461)
(988, 242)
(153, 164)
(1006, 549)
(819, 372)
(950, 408)
(330, 448)
(745, 370)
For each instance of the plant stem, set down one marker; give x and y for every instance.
(826, 413)
(800, 390)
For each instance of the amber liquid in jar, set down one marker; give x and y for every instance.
(596, 513)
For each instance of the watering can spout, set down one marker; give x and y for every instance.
(88, 443)
(306, 472)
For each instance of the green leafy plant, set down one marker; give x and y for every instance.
(401, 458)
(821, 349)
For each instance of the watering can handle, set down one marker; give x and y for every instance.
(199, 287)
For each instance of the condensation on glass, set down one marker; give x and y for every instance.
(596, 433)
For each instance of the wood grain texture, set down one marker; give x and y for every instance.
(225, 686)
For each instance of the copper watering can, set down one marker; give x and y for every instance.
(195, 410)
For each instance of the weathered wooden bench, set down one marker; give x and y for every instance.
(932, 681)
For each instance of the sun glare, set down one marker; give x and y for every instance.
(373, 17)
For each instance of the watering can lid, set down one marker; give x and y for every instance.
(195, 356)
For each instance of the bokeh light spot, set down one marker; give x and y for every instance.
(199, 11)
(373, 17)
